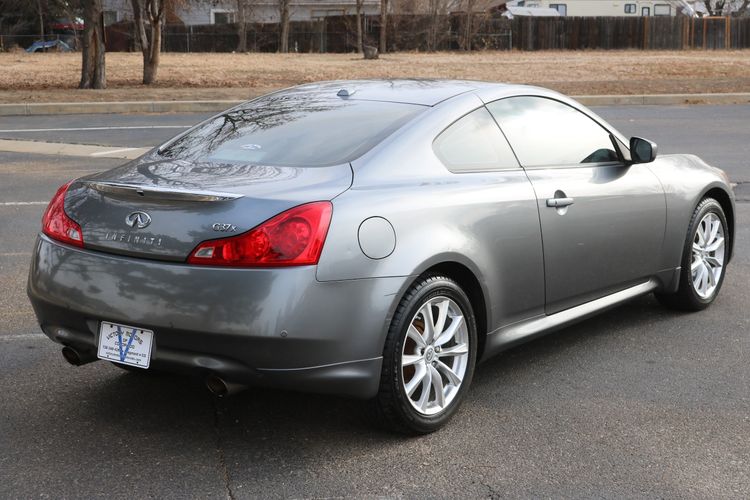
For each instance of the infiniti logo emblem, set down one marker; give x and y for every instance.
(138, 220)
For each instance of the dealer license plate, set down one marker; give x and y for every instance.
(128, 345)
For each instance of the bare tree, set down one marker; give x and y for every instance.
(438, 23)
(93, 75)
(383, 24)
(32, 13)
(433, 10)
(714, 7)
(735, 8)
(284, 26)
(358, 7)
(727, 7)
(468, 28)
(153, 12)
(40, 9)
(244, 10)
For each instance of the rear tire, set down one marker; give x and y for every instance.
(427, 370)
(704, 259)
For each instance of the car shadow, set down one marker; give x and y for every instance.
(273, 413)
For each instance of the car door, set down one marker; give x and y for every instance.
(499, 212)
(602, 220)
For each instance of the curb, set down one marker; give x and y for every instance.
(78, 108)
(61, 149)
(71, 108)
(663, 99)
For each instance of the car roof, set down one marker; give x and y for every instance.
(424, 92)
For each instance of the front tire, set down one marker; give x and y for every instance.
(704, 259)
(429, 357)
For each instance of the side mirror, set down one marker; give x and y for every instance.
(642, 150)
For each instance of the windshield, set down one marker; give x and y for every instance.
(294, 130)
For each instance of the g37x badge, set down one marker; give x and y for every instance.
(224, 228)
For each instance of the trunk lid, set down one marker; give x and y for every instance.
(162, 209)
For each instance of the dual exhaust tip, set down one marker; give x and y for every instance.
(222, 388)
(215, 384)
(77, 358)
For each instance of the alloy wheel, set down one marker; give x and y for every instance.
(435, 355)
(707, 262)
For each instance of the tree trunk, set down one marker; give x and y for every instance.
(93, 75)
(383, 24)
(151, 64)
(432, 31)
(41, 20)
(468, 29)
(359, 25)
(150, 46)
(242, 26)
(284, 25)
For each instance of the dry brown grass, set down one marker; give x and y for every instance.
(53, 77)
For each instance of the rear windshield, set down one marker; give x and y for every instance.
(293, 130)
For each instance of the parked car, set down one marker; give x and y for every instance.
(43, 46)
(374, 239)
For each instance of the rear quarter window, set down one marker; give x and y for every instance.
(474, 143)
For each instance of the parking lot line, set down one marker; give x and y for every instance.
(87, 129)
(21, 203)
(22, 336)
(104, 153)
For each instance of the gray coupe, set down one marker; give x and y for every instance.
(374, 239)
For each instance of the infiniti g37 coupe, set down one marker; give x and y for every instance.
(374, 239)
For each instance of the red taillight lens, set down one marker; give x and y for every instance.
(57, 225)
(292, 238)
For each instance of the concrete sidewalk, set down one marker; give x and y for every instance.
(62, 149)
(68, 108)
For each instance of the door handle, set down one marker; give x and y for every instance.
(559, 202)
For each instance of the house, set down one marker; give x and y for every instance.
(258, 11)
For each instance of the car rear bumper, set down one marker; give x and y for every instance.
(271, 327)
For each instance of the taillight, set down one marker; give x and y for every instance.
(57, 225)
(292, 238)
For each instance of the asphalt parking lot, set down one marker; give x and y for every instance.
(637, 402)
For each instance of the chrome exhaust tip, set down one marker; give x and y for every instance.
(76, 358)
(221, 388)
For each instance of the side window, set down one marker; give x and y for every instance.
(662, 10)
(547, 132)
(646, 11)
(629, 8)
(474, 143)
(560, 7)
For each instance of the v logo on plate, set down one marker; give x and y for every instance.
(124, 353)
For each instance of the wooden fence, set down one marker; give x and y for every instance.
(666, 32)
(409, 32)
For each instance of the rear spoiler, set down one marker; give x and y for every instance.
(160, 193)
